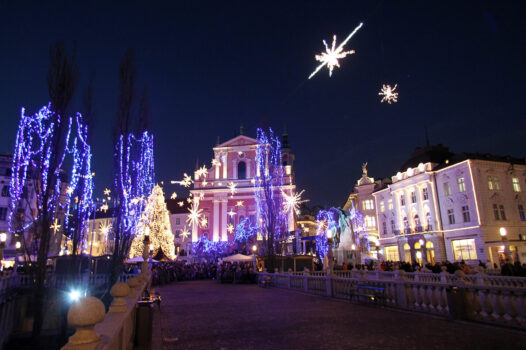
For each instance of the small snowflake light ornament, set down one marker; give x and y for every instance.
(388, 93)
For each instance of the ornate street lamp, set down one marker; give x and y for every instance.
(503, 235)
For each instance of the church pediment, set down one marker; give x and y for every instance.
(240, 140)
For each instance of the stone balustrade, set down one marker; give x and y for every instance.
(115, 330)
(490, 299)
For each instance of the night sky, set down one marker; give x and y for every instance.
(211, 66)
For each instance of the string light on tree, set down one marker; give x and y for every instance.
(331, 55)
(388, 93)
(155, 220)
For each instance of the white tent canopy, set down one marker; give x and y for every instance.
(138, 259)
(240, 258)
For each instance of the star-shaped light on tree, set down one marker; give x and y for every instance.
(388, 93)
(331, 55)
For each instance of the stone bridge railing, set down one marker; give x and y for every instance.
(489, 299)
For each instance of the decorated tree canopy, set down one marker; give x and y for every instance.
(244, 230)
(155, 222)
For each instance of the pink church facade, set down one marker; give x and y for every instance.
(227, 191)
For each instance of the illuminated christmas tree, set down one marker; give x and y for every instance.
(154, 221)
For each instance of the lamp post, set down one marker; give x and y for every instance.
(503, 235)
(254, 249)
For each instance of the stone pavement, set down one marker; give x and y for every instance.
(209, 315)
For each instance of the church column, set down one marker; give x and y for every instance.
(194, 232)
(216, 220)
(234, 169)
(249, 168)
(225, 166)
(224, 233)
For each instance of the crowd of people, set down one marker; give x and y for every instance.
(226, 272)
(236, 273)
(507, 268)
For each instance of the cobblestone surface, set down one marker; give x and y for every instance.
(209, 315)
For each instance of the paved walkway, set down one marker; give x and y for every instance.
(208, 315)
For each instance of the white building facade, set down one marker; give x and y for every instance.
(455, 209)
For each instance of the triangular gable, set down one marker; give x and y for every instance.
(240, 140)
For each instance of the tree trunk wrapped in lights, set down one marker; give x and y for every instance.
(268, 190)
(154, 221)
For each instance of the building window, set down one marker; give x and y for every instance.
(382, 207)
(521, 212)
(393, 227)
(370, 221)
(451, 216)
(425, 194)
(416, 221)
(406, 225)
(516, 185)
(428, 222)
(3, 214)
(465, 213)
(413, 197)
(502, 212)
(447, 189)
(407, 253)
(402, 200)
(390, 204)
(241, 170)
(430, 251)
(177, 233)
(496, 211)
(464, 249)
(178, 221)
(496, 183)
(461, 184)
(5, 191)
(391, 253)
(368, 204)
(384, 227)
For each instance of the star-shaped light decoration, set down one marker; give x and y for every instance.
(204, 222)
(70, 190)
(230, 228)
(215, 162)
(104, 207)
(232, 188)
(202, 171)
(331, 55)
(107, 191)
(239, 203)
(181, 203)
(293, 201)
(136, 200)
(104, 228)
(388, 93)
(186, 181)
(185, 233)
(189, 200)
(195, 214)
(231, 212)
(173, 196)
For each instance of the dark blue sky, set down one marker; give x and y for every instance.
(210, 66)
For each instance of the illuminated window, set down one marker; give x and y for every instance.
(447, 189)
(407, 253)
(502, 212)
(516, 185)
(490, 183)
(402, 200)
(496, 211)
(370, 221)
(413, 197)
(464, 249)
(465, 213)
(451, 216)
(425, 194)
(390, 204)
(368, 204)
(461, 184)
(496, 183)
(521, 212)
(391, 253)
(382, 207)
(430, 252)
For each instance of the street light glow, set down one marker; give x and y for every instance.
(3, 237)
(74, 295)
(503, 231)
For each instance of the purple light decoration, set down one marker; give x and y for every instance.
(204, 246)
(137, 176)
(267, 186)
(326, 221)
(34, 147)
(244, 230)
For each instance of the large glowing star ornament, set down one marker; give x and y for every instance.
(332, 54)
(293, 201)
(195, 214)
(388, 93)
(185, 233)
(230, 228)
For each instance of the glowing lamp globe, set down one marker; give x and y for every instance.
(503, 232)
(18, 245)
(353, 247)
(254, 248)
(3, 237)
(419, 255)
